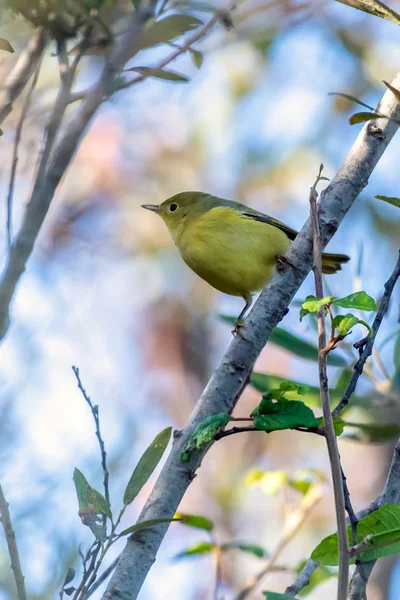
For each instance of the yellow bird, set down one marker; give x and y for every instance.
(231, 246)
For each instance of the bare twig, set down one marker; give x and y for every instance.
(292, 526)
(330, 435)
(95, 412)
(22, 71)
(359, 366)
(12, 547)
(106, 573)
(175, 477)
(18, 133)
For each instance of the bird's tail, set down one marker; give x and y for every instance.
(331, 263)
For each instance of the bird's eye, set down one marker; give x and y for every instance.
(173, 207)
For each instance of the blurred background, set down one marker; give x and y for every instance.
(106, 290)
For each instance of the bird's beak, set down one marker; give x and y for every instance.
(152, 207)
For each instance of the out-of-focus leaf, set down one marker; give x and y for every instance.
(276, 596)
(167, 29)
(383, 530)
(194, 5)
(390, 200)
(197, 57)
(197, 521)
(145, 525)
(269, 481)
(372, 432)
(312, 304)
(320, 575)
(288, 341)
(146, 465)
(304, 479)
(249, 548)
(136, 4)
(5, 45)
(204, 434)
(359, 300)
(284, 414)
(363, 117)
(161, 74)
(196, 550)
(69, 576)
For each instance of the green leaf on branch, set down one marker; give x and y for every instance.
(164, 74)
(359, 300)
(248, 548)
(69, 590)
(283, 414)
(198, 549)
(5, 45)
(197, 521)
(276, 596)
(197, 57)
(89, 499)
(312, 304)
(390, 200)
(363, 117)
(69, 576)
(204, 434)
(145, 525)
(380, 531)
(370, 433)
(167, 29)
(345, 322)
(99, 502)
(394, 90)
(146, 465)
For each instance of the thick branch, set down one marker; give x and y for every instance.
(12, 547)
(139, 554)
(46, 184)
(18, 78)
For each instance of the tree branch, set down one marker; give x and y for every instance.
(21, 73)
(12, 547)
(47, 182)
(175, 477)
(330, 436)
(367, 351)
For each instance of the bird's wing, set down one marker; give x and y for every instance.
(257, 216)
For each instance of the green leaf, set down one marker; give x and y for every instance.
(249, 548)
(269, 481)
(145, 525)
(304, 479)
(197, 57)
(383, 527)
(196, 521)
(276, 596)
(196, 550)
(344, 323)
(69, 591)
(390, 200)
(320, 575)
(284, 414)
(146, 465)
(204, 434)
(363, 117)
(351, 99)
(312, 304)
(161, 74)
(338, 425)
(82, 489)
(5, 45)
(372, 432)
(395, 91)
(99, 502)
(359, 300)
(167, 29)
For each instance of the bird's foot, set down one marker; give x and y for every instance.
(236, 332)
(282, 260)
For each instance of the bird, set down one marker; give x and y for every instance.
(231, 246)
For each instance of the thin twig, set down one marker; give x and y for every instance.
(106, 573)
(359, 366)
(292, 526)
(12, 547)
(18, 133)
(22, 71)
(95, 413)
(330, 435)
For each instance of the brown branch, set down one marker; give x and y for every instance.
(21, 73)
(12, 547)
(367, 350)
(292, 526)
(330, 435)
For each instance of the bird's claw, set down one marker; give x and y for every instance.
(237, 330)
